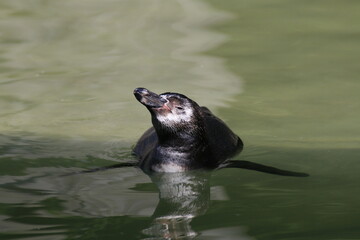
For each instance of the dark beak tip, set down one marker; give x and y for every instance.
(140, 90)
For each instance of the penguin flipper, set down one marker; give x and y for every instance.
(260, 168)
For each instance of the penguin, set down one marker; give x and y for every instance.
(184, 136)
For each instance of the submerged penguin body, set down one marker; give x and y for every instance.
(184, 135)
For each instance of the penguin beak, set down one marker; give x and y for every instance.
(148, 98)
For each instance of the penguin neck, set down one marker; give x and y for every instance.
(182, 139)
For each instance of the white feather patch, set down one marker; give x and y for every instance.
(171, 118)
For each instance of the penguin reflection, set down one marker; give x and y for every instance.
(183, 196)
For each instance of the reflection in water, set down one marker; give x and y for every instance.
(183, 196)
(113, 195)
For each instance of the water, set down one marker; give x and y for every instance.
(283, 75)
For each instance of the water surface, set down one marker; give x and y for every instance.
(283, 75)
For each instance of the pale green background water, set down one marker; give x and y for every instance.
(282, 74)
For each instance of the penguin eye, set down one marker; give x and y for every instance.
(180, 108)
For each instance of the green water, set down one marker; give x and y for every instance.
(282, 74)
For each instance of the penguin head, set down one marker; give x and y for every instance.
(169, 110)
